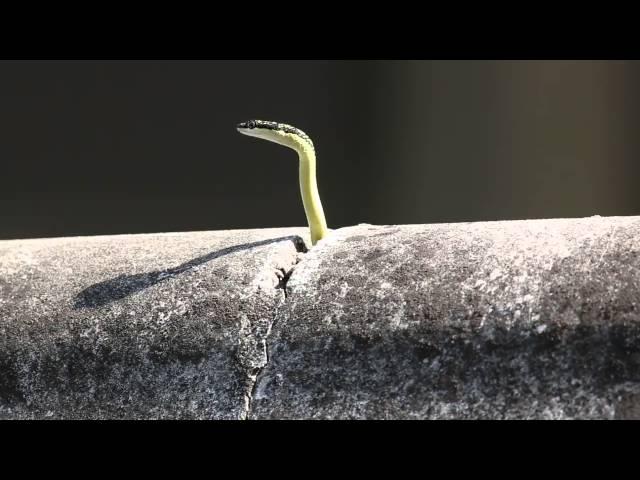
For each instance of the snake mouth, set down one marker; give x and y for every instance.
(247, 125)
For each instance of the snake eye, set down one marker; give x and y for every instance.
(251, 124)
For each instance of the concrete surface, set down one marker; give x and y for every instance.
(138, 326)
(516, 319)
(521, 319)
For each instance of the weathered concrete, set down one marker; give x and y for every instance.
(138, 326)
(520, 319)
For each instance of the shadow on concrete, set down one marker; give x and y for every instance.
(103, 293)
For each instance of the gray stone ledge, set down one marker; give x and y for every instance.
(494, 320)
(514, 319)
(138, 326)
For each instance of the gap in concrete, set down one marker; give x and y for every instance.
(283, 274)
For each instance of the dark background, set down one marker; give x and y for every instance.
(90, 147)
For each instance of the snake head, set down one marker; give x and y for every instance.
(257, 128)
(250, 125)
(276, 132)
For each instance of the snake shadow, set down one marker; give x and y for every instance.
(107, 291)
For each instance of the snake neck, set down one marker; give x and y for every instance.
(310, 195)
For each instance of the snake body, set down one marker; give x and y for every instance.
(299, 141)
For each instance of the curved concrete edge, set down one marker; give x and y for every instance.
(517, 319)
(533, 319)
(139, 326)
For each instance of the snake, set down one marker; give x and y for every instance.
(300, 142)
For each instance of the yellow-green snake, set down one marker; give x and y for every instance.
(299, 141)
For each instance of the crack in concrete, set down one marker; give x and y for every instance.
(255, 375)
(283, 276)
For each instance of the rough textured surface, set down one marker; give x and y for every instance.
(520, 319)
(517, 319)
(138, 326)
